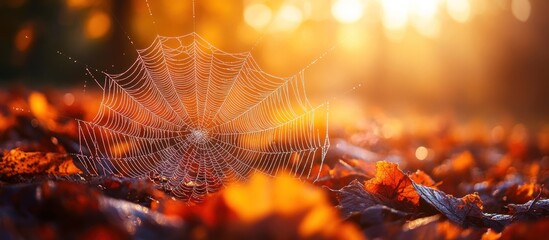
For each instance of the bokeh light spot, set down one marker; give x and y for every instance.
(395, 14)
(498, 134)
(97, 25)
(68, 99)
(347, 11)
(288, 18)
(425, 9)
(23, 38)
(257, 15)
(521, 9)
(422, 153)
(459, 10)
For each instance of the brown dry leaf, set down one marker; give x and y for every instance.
(16, 162)
(354, 199)
(394, 185)
(466, 211)
(68, 210)
(532, 209)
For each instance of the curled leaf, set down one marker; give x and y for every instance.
(354, 199)
(394, 185)
(466, 211)
(420, 177)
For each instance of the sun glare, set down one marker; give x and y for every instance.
(426, 17)
(257, 15)
(459, 10)
(348, 11)
(395, 13)
(288, 18)
(425, 9)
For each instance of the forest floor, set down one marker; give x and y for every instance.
(420, 177)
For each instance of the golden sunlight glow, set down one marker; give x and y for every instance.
(395, 14)
(395, 18)
(349, 38)
(318, 10)
(347, 11)
(428, 28)
(175, 9)
(257, 15)
(521, 9)
(425, 9)
(421, 14)
(459, 10)
(346, 112)
(424, 17)
(392, 129)
(288, 18)
(97, 24)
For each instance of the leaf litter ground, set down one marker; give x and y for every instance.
(473, 187)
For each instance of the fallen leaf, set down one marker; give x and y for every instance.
(531, 210)
(278, 208)
(64, 210)
(379, 214)
(466, 211)
(390, 188)
(391, 183)
(15, 162)
(434, 227)
(420, 177)
(354, 199)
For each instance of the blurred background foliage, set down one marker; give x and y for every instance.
(486, 58)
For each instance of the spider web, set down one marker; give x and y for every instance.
(193, 118)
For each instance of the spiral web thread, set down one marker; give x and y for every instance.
(193, 118)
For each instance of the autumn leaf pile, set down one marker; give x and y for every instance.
(469, 182)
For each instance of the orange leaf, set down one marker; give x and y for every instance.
(16, 162)
(420, 177)
(249, 210)
(391, 183)
(463, 162)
